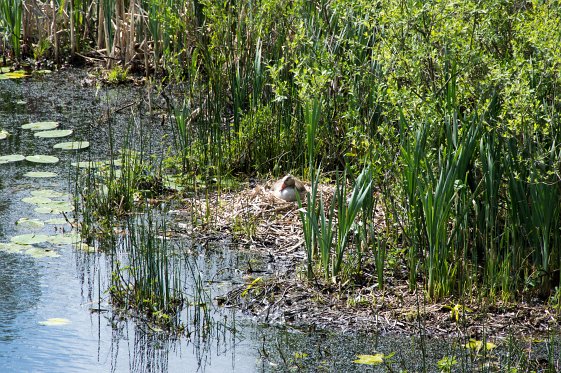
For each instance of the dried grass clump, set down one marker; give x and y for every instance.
(254, 217)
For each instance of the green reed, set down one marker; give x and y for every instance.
(146, 277)
(11, 21)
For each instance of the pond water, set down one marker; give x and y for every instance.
(72, 286)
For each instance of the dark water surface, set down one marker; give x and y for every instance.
(73, 285)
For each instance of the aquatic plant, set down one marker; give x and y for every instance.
(454, 105)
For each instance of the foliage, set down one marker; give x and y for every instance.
(453, 106)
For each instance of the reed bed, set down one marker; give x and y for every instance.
(453, 109)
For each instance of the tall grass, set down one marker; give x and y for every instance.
(11, 22)
(455, 104)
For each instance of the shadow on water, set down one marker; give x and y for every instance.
(75, 285)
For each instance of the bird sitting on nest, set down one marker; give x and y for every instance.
(287, 187)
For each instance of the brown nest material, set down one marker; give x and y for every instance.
(254, 218)
(257, 220)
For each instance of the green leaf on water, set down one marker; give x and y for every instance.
(55, 321)
(40, 174)
(38, 252)
(30, 239)
(40, 126)
(40, 158)
(11, 158)
(65, 239)
(72, 145)
(48, 193)
(37, 200)
(17, 74)
(30, 223)
(53, 133)
(12, 247)
(55, 207)
(370, 359)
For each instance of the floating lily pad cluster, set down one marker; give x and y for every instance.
(41, 245)
(46, 129)
(45, 202)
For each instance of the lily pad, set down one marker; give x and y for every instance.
(53, 133)
(4, 134)
(38, 252)
(370, 359)
(41, 158)
(12, 247)
(55, 321)
(29, 239)
(37, 200)
(65, 239)
(18, 74)
(48, 193)
(11, 158)
(30, 223)
(40, 126)
(40, 174)
(55, 207)
(72, 145)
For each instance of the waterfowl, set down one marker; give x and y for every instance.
(287, 187)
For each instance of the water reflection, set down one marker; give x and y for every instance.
(19, 292)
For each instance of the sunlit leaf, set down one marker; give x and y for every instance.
(40, 174)
(41, 158)
(29, 239)
(478, 345)
(370, 359)
(55, 321)
(30, 223)
(48, 193)
(72, 145)
(38, 252)
(3, 134)
(12, 247)
(37, 200)
(11, 158)
(65, 239)
(55, 207)
(446, 363)
(53, 133)
(39, 126)
(17, 74)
